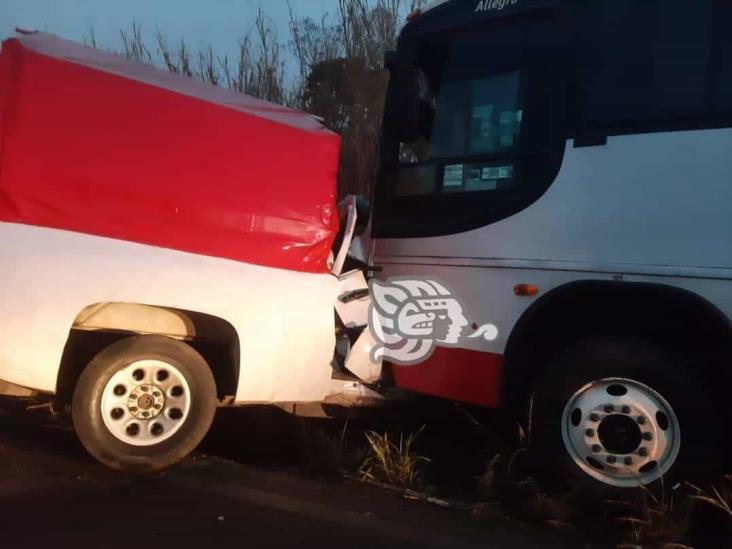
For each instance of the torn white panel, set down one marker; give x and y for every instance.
(346, 208)
(359, 361)
(352, 302)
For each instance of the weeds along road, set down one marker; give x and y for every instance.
(53, 494)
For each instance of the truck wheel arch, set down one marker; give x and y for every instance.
(99, 325)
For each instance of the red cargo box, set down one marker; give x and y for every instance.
(94, 143)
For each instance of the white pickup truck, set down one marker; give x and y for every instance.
(166, 248)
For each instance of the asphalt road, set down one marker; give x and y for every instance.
(53, 494)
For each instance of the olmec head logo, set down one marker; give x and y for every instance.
(410, 317)
(497, 5)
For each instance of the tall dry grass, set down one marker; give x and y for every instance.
(338, 72)
(393, 459)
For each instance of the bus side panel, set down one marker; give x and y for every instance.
(660, 199)
(648, 207)
(473, 372)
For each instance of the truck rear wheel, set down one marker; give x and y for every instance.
(144, 403)
(618, 413)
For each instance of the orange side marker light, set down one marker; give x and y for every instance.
(525, 290)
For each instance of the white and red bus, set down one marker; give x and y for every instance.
(564, 168)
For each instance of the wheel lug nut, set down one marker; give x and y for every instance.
(625, 409)
(641, 420)
(590, 432)
(629, 460)
(642, 452)
(610, 459)
(594, 417)
(609, 408)
(596, 448)
(647, 436)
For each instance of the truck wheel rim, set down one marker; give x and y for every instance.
(146, 402)
(621, 432)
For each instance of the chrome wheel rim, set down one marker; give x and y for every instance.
(146, 402)
(621, 432)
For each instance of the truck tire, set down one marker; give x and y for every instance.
(612, 414)
(144, 403)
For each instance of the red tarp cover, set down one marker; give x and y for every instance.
(91, 142)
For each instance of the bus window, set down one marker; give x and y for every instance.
(653, 66)
(487, 146)
(473, 117)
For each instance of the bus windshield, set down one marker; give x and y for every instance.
(470, 123)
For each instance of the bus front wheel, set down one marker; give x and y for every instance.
(617, 413)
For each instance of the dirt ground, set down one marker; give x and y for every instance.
(270, 479)
(52, 493)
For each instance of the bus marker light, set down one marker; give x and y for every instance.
(525, 290)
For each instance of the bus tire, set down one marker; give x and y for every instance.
(614, 413)
(144, 403)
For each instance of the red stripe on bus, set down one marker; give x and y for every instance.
(473, 377)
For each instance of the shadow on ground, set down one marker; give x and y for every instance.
(51, 490)
(52, 493)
